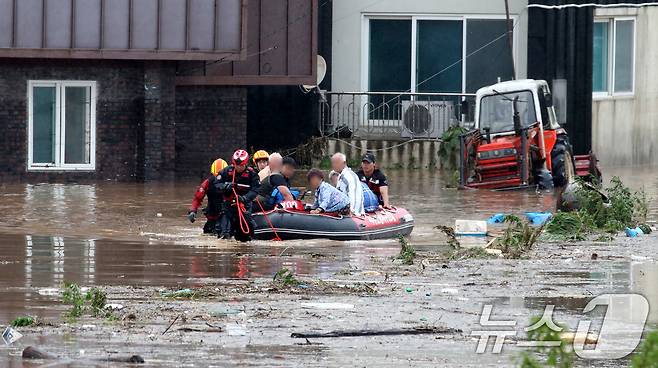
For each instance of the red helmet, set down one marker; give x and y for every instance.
(240, 157)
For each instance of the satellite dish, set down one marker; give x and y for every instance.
(322, 72)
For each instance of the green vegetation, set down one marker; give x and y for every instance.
(570, 225)
(623, 209)
(646, 355)
(73, 296)
(285, 277)
(449, 148)
(518, 238)
(407, 251)
(22, 321)
(561, 356)
(95, 298)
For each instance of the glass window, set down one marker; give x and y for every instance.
(497, 111)
(600, 55)
(77, 131)
(613, 56)
(43, 124)
(390, 55)
(488, 53)
(439, 56)
(624, 58)
(62, 127)
(430, 53)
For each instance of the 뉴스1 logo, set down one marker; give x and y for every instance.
(620, 333)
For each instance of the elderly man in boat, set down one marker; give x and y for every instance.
(348, 183)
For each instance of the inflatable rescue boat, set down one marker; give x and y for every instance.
(292, 221)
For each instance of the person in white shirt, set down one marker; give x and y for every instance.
(348, 183)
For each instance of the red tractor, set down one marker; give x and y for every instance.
(517, 141)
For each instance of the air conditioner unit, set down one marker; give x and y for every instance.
(426, 119)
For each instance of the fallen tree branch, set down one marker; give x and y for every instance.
(31, 352)
(388, 332)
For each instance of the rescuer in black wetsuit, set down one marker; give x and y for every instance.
(239, 185)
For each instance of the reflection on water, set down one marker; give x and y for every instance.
(131, 234)
(33, 267)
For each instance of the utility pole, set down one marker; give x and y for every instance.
(510, 39)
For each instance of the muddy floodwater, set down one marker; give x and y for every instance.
(134, 242)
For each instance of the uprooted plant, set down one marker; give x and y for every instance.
(518, 237)
(95, 298)
(407, 251)
(623, 208)
(285, 277)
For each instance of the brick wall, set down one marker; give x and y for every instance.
(119, 112)
(211, 123)
(146, 128)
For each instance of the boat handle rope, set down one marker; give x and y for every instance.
(240, 209)
(276, 236)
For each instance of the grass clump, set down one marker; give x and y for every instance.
(22, 321)
(285, 277)
(622, 209)
(407, 251)
(647, 354)
(518, 238)
(559, 356)
(93, 302)
(570, 225)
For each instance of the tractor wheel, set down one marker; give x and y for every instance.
(562, 163)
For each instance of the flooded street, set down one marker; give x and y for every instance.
(134, 241)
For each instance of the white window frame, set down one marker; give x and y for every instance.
(612, 42)
(414, 18)
(60, 134)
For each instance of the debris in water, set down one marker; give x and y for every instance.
(470, 227)
(328, 305)
(236, 330)
(9, 336)
(223, 311)
(389, 332)
(538, 218)
(182, 293)
(498, 218)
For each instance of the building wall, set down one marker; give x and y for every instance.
(348, 33)
(119, 114)
(625, 129)
(146, 128)
(211, 123)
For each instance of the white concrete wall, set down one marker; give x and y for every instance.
(348, 30)
(625, 129)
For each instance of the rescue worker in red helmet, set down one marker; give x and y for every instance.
(207, 188)
(238, 184)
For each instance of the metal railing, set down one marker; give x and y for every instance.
(393, 115)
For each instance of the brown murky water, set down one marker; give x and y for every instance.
(137, 234)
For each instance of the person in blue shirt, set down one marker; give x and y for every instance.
(327, 198)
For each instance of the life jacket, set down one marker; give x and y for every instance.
(242, 182)
(270, 194)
